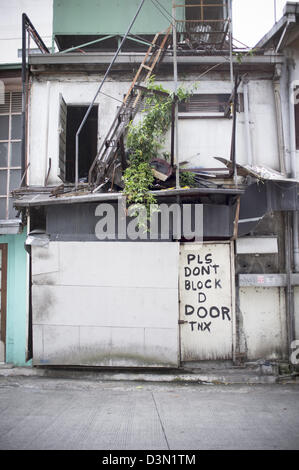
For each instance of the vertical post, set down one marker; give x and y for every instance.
(172, 133)
(47, 134)
(233, 144)
(247, 123)
(175, 79)
(289, 287)
(23, 119)
(230, 19)
(296, 240)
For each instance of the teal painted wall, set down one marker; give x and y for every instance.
(97, 17)
(16, 320)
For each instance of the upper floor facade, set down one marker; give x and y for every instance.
(62, 85)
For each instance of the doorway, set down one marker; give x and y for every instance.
(207, 313)
(70, 119)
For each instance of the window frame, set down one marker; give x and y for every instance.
(206, 114)
(8, 168)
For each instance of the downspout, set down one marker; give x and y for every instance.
(296, 241)
(247, 123)
(279, 120)
(290, 306)
(292, 124)
(285, 115)
(230, 13)
(47, 170)
(293, 154)
(23, 116)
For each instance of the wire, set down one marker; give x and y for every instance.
(211, 68)
(169, 18)
(112, 97)
(168, 13)
(240, 42)
(142, 39)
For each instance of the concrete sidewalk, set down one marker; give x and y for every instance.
(50, 413)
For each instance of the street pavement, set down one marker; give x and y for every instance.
(69, 414)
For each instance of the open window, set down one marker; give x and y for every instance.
(70, 118)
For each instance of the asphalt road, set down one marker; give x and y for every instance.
(56, 414)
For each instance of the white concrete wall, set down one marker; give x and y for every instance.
(199, 140)
(80, 92)
(263, 320)
(263, 124)
(40, 13)
(108, 304)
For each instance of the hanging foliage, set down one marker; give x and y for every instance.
(144, 141)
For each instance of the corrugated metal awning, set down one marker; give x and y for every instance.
(42, 199)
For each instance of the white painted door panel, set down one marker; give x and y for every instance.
(206, 302)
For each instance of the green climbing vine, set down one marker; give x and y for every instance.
(187, 179)
(144, 140)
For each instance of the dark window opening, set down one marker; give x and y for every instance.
(71, 119)
(37, 219)
(204, 9)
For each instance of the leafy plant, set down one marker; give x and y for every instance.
(240, 55)
(138, 178)
(144, 140)
(187, 179)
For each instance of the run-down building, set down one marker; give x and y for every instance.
(176, 300)
(13, 257)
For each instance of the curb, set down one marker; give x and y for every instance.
(221, 377)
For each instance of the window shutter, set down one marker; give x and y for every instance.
(205, 103)
(62, 137)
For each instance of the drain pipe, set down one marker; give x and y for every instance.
(98, 91)
(247, 123)
(285, 115)
(279, 120)
(293, 153)
(292, 126)
(24, 97)
(296, 241)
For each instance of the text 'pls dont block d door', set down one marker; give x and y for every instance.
(206, 302)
